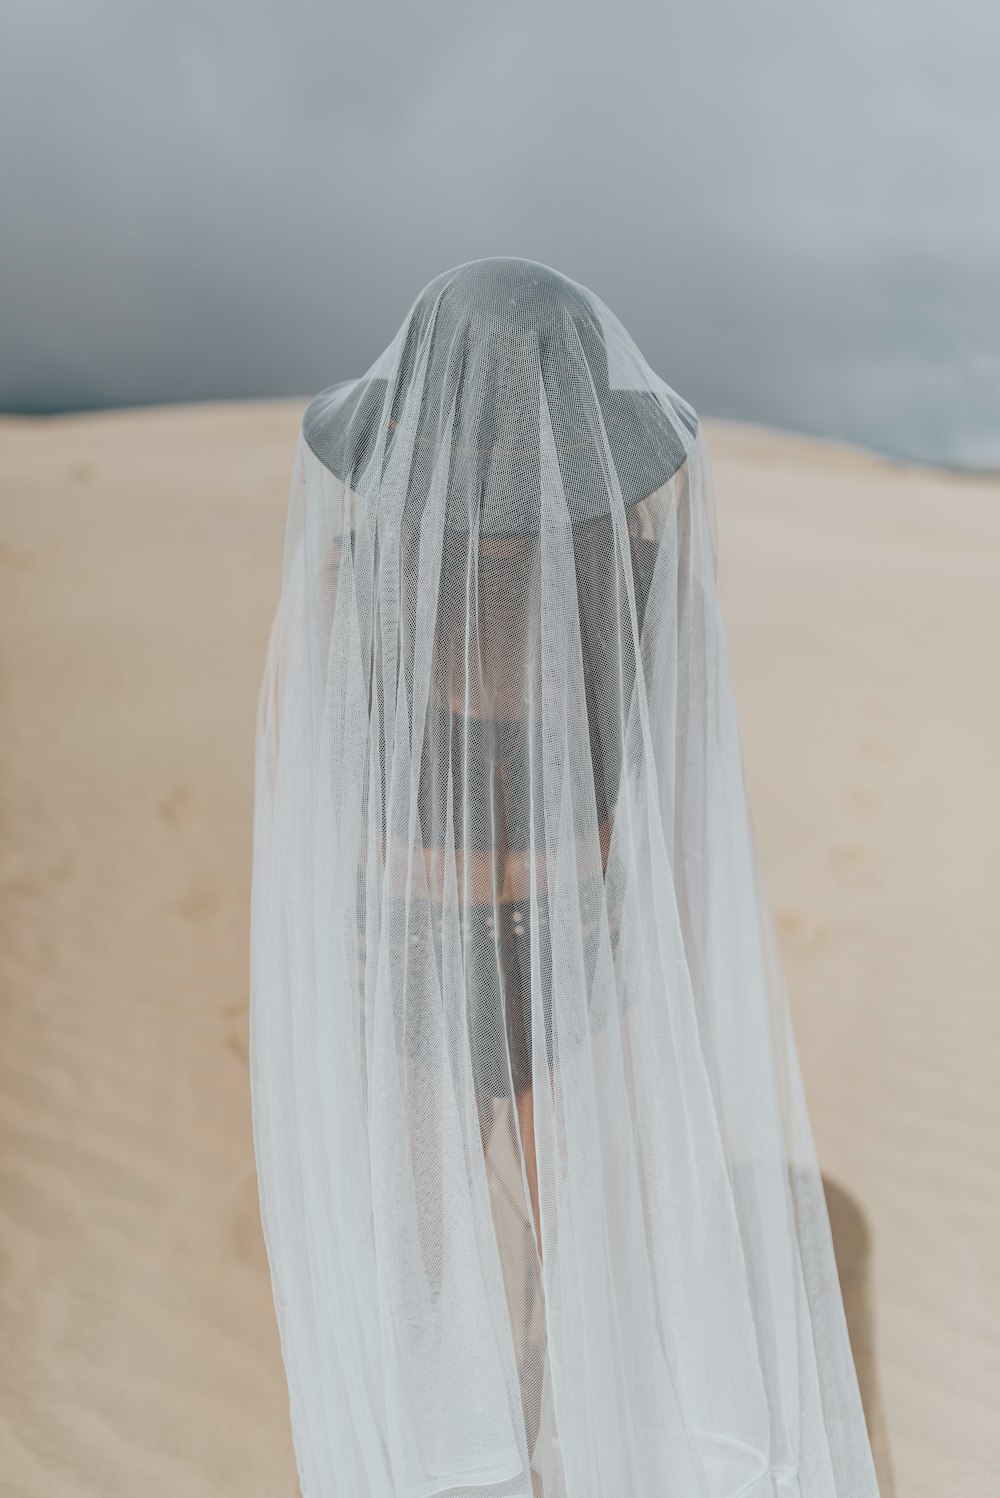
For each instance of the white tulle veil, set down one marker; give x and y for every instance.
(540, 1199)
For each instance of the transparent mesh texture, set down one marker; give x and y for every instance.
(538, 1189)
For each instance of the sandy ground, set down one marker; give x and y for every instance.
(139, 567)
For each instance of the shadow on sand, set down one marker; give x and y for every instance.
(852, 1243)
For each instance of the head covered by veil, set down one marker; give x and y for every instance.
(504, 869)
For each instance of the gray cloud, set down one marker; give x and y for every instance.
(794, 211)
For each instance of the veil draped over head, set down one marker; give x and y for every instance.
(538, 1189)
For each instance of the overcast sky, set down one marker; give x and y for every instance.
(794, 208)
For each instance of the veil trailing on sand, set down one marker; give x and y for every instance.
(538, 1188)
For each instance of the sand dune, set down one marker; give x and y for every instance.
(139, 567)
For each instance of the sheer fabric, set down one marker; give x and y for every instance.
(538, 1189)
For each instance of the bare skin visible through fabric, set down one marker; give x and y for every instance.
(517, 875)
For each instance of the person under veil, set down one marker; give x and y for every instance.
(538, 1188)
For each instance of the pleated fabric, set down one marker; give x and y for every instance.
(538, 1189)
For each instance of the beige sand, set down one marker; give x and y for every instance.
(139, 567)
